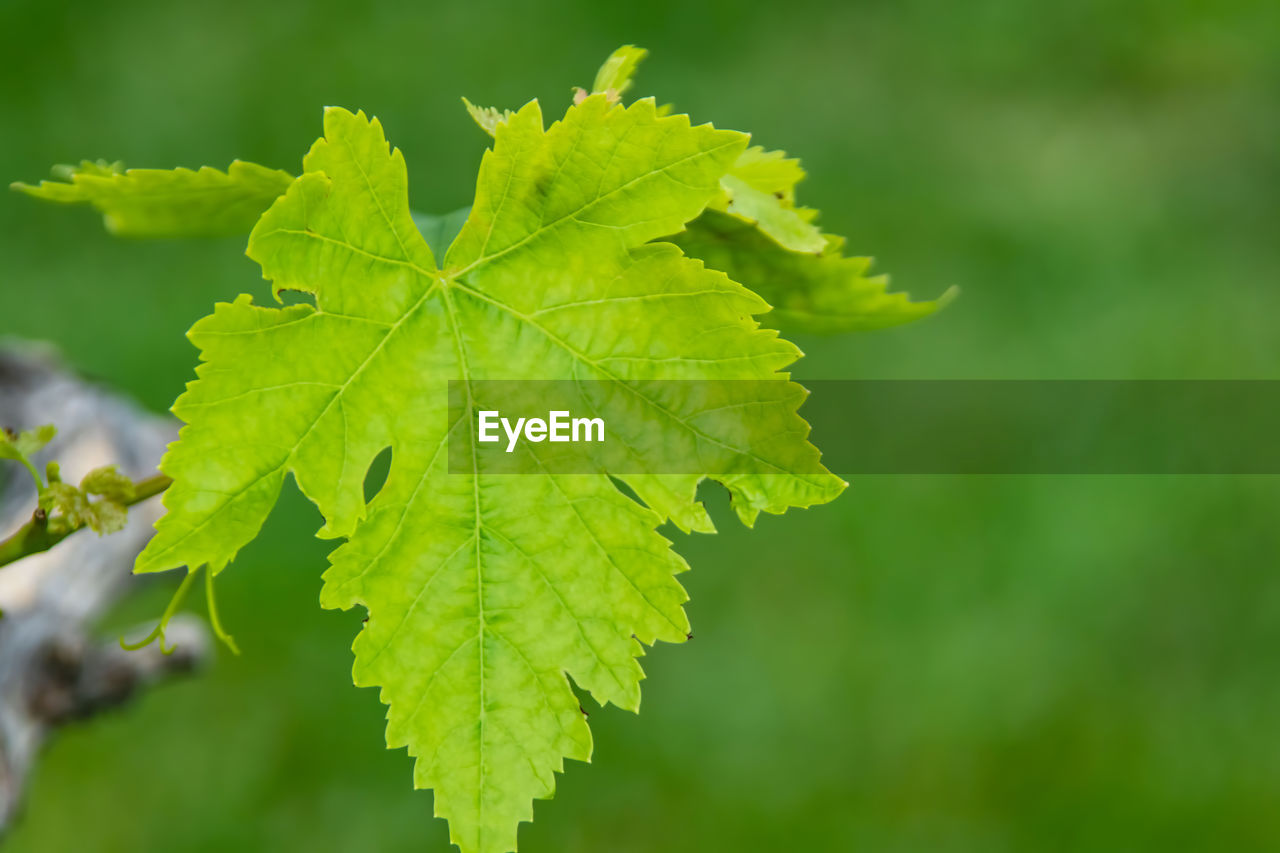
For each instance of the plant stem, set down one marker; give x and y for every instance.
(35, 536)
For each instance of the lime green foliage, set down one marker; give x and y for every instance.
(760, 238)
(75, 506)
(927, 664)
(64, 188)
(21, 446)
(483, 591)
(760, 186)
(760, 189)
(61, 508)
(167, 202)
(69, 507)
(824, 293)
(487, 117)
(797, 269)
(16, 445)
(755, 233)
(615, 77)
(775, 248)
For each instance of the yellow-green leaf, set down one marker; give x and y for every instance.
(167, 202)
(485, 592)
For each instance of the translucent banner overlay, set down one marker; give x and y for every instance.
(869, 427)
(634, 427)
(1047, 427)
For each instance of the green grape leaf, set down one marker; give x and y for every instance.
(771, 172)
(756, 234)
(167, 202)
(485, 592)
(63, 188)
(760, 189)
(826, 293)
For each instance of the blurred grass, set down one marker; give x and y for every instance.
(931, 663)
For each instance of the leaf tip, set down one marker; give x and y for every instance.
(948, 296)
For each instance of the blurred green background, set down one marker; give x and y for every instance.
(930, 663)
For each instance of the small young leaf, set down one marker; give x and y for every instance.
(615, 76)
(63, 189)
(22, 445)
(70, 503)
(70, 508)
(100, 168)
(106, 516)
(487, 117)
(108, 482)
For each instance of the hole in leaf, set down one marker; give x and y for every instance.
(376, 477)
(296, 297)
(622, 486)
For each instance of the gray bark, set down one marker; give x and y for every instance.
(53, 670)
